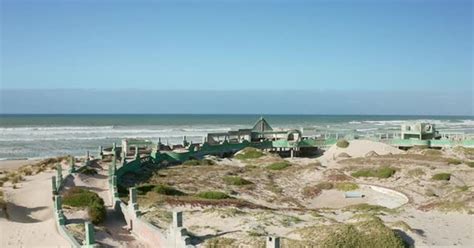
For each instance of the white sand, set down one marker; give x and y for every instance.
(358, 148)
(30, 209)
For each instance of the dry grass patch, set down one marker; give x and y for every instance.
(441, 176)
(370, 233)
(380, 172)
(249, 153)
(346, 186)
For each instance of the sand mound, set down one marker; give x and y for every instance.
(359, 148)
(343, 155)
(371, 154)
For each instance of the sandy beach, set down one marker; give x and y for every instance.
(30, 221)
(8, 165)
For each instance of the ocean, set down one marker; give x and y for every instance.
(39, 136)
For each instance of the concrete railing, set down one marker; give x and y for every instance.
(61, 220)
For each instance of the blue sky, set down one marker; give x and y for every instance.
(383, 45)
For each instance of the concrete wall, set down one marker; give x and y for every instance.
(176, 236)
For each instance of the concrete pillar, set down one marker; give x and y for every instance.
(273, 242)
(72, 164)
(58, 203)
(59, 176)
(137, 155)
(132, 203)
(90, 235)
(125, 146)
(114, 165)
(177, 219)
(53, 185)
(291, 153)
(58, 210)
(101, 152)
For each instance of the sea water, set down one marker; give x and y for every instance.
(38, 136)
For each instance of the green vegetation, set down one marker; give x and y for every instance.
(278, 165)
(432, 152)
(447, 206)
(442, 176)
(160, 189)
(325, 185)
(166, 190)
(469, 163)
(86, 170)
(249, 153)
(380, 172)
(3, 203)
(235, 180)
(213, 195)
(342, 143)
(199, 162)
(313, 191)
(346, 186)
(83, 198)
(289, 220)
(364, 207)
(417, 172)
(463, 188)
(368, 232)
(453, 161)
(219, 242)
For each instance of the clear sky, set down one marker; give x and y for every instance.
(375, 45)
(424, 47)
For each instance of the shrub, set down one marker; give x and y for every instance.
(342, 143)
(249, 153)
(234, 180)
(417, 172)
(215, 195)
(142, 189)
(442, 176)
(166, 190)
(80, 197)
(15, 178)
(97, 212)
(325, 185)
(27, 171)
(346, 186)
(469, 163)
(365, 207)
(371, 233)
(278, 165)
(87, 170)
(199, 162)
(453, 161)
(381, 172)
(432, 152)
(311, 191)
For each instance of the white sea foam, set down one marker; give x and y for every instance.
(44, 141)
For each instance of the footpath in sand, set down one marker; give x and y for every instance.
(30, 221)
(113, 232)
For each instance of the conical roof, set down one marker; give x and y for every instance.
(261, 126)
